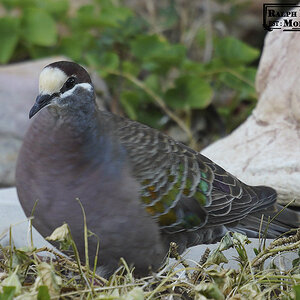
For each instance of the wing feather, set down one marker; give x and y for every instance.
(181, 188)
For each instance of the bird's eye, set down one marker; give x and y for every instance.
(70, 83)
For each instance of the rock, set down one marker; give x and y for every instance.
(19, 88)
(265, 149)
(12, 216)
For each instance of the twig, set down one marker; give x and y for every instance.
(174, 254)
(204, 256)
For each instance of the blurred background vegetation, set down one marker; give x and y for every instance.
(180, 66)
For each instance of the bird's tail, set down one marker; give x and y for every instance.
(269, 219)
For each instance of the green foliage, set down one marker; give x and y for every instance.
(144, 68)
(234, 52)
(9, 34)
(8, 293)
(43, 293)
(36, 32)
(189, 92)
(297, 291)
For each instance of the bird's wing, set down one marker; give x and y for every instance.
(180, 187)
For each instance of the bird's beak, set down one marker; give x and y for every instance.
(40, 102)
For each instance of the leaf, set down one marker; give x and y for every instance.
(170, 56)
(130, 67)
(240, 79)
(157, 53)
(8, 293)
(226, 242)
(105, 16)
(135, 294)
(235, 51)
(105, 63)
(43, 293)
(59, 234)
(109, 61)
(20, 256)
(152, 81)
(9, 35)
(189, 92)
(210, 290)
(239, 238)
(256, 252)
(48, 277)
(193, 67)
(136, 105)
(39, 27)
(119, 37)
(130, 102)
(18, 3)
(296, 262)
(57, 8)
(216, 257)
(112, 15)
(215, 65)
(297, 291)
(62, 235)
(73, 46)
(146, 46)
(151, 117)
(13, 281)
(87, 17)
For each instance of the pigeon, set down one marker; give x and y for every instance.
(140, 189)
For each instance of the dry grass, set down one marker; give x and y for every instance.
(27, 274)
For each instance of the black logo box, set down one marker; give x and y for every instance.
(272, 12)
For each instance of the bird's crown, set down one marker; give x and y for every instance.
(61, 76)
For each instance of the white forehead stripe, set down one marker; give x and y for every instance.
(51, 80)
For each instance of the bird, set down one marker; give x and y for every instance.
(140, 189)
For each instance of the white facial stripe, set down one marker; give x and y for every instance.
(83, 85)
(51, 80)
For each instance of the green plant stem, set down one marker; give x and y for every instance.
(237, 75)
(76, 254)
(86, 244)
(230, 71)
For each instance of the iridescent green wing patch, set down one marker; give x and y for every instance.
(169, 173)
(188, 182)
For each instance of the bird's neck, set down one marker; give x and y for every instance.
(82, 136)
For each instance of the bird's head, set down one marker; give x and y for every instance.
(62, 84)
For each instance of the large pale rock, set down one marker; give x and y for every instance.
(266, 148)
(18, 90)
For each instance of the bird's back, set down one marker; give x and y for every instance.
(188, 193)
